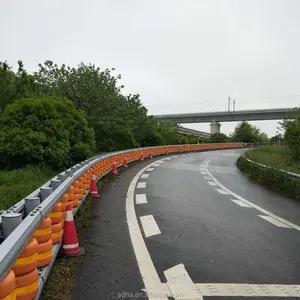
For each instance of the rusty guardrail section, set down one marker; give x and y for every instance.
(26, 231)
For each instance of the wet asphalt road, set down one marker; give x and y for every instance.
(217, 240)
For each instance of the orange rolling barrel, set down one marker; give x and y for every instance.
(7, 287)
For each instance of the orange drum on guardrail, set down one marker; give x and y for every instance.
(27, 260)
(27, 286)
(7, 287)
(43, 233)
(56, 227)
(44, 253)
(43, 236)
(55, 214)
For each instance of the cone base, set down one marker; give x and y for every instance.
(79, 253)
(116, 173)
(95, 195)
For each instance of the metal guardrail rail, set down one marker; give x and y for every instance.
(51, 192)
(268, 167)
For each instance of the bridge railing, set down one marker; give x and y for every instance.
(19, 223)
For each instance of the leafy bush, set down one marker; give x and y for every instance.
(270, 176)
(44, 130)
(292, 137)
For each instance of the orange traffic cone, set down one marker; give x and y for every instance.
(167, 152)
(142, 157)
(125, 164)
(150, 155)
(70, 245)
(114, 169)
(93, 189)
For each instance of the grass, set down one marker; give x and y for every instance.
(17, 184)
(277, 157)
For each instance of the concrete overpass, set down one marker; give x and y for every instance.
(194, 132)
(232, 116)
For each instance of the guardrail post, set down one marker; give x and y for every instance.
(62, 177)
(68, 172)
(31, 203)
(55, 183)
(45, 192)
(9, 222)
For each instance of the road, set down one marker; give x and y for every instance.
(191, 227)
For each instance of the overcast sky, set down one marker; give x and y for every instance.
(180, 56)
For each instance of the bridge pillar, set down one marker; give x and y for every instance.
(214, 127)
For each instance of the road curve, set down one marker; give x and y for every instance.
(188, 227)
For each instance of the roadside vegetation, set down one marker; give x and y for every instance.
(285, 157)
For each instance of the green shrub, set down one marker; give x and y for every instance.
(271, 176)
(44, 130)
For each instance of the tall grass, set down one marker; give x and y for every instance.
(16, 184)
(277, 157)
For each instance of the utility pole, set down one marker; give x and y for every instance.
(233, 105)
(229, 103)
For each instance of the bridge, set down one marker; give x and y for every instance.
(188, 131)
(230, 116)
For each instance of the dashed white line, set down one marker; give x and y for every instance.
(240, 203)
(141, 185)
(144, 176)
(274, 221)
(150, 169)
(150, 226)
(156, 165)
(264, 211)
(140, 199)
(203, 173)
(222, 191)
(211, 183)
(207, 177)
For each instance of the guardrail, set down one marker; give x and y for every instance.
(268, 167)
(19, 223)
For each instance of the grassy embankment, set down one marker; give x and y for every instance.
(17, 184)
(278, 159)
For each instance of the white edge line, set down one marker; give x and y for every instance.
(149, 275)
(250, 203)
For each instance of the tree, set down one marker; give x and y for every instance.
(44, 130)
(247, 133)
(219, 138)
(292, 137)
(277, 138)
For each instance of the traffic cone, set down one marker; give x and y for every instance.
(167, 151)
(70, 245)
(150, 155)
(114, 169)
(142, 157)
(93, 187)
(125, 164)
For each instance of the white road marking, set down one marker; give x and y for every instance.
(240, 203)
(141, 185)
(150, 226)
(148, 272)
(211, 183)
(274, 221)
(144, 176)
(203, 173)
(156, 165)
(140, 199)
(169, 158)
(264, 211)
(180, 284)
(243, 290)
(150, 169)
(207, 177)
(222, 191)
